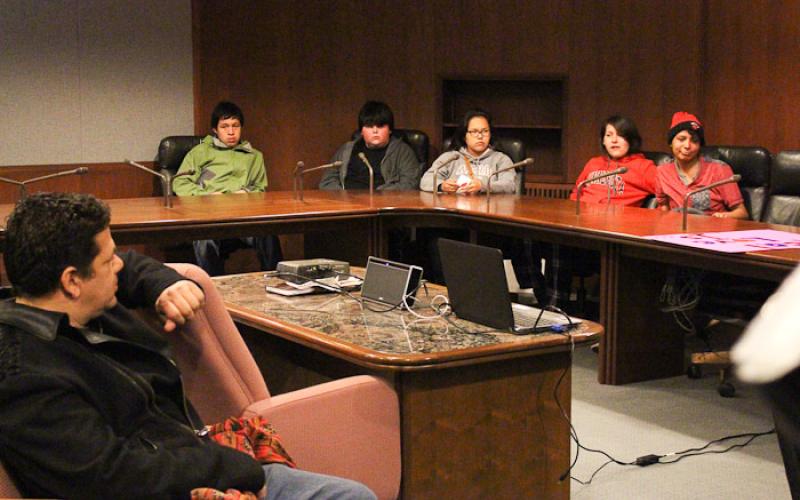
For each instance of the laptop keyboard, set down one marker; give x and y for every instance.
(525, 316)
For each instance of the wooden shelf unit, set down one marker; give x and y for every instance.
(531, 110)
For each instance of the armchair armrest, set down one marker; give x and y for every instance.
(7, 487)
(348, 428)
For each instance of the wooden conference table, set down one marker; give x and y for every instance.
(640, 341)
(479, 416)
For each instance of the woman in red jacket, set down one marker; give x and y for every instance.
(621, 143)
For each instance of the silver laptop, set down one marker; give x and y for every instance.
(390, 283)
(478, 291)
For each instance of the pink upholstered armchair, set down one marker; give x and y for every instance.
(348, 428)
(7, 488)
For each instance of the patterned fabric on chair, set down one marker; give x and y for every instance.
(331, 428)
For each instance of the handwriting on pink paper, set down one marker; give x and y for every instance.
(734, 241)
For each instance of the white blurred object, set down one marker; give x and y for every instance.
(511, 277)
(524, 295)
(770, 346)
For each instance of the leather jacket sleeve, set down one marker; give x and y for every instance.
(64, 447)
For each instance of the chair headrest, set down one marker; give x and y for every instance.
(513, 147)
(751, 162)
(173, 149)
(417, 139)
(786, 174)
(657, 157)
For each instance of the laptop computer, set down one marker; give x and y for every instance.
(478, 291)
(390, 283)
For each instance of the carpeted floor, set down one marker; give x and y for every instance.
(665, 416)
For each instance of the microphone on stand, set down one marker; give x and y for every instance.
(733, 178)
(363, 158)
(300, 170)
(453, 156)
(295, 175)
(579, 188)
(496, 174)
(166, 180)
(10, 181)
(22, 184)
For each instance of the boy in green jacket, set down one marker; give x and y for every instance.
(224, 163)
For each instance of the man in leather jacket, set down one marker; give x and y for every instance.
(91, 404)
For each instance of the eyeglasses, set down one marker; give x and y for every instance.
(479, 133)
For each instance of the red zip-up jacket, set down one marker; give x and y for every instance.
(630, 188)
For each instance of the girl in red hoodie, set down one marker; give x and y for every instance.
(621, 143)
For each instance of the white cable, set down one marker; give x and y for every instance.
(432, 305)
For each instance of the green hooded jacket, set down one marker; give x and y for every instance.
(212, 167)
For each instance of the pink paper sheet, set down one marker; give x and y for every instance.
(734, 241)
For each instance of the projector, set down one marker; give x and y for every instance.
(300, 271)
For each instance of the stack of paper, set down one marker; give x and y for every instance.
(322, 285)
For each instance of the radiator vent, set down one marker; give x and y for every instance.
(547, 190)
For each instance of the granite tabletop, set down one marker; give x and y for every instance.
(380, 328)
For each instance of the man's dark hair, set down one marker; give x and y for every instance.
(460, 138)
(48, 232)
(625, 128)
(375, 113)
(225, 110)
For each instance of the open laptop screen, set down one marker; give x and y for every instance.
(387, 282)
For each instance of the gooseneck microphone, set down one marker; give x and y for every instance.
(10, 181)
(496, 174)
(166, 180)
(454, 155)
(300, 170)
(580, 186)
(366, 162)
(733, 178)
(22, 184)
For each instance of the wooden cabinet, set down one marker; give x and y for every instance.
(532, 110)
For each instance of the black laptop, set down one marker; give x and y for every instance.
(478, 291)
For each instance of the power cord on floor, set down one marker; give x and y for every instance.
(644, 460)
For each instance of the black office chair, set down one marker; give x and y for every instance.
(753, 164)
(172, 150)
(657, 157)
(417, 139)
(419, 142)
(728, 302)
(783, 203)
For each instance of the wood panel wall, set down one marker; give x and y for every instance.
(105, 180)
(301, 70)
(752, 86)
